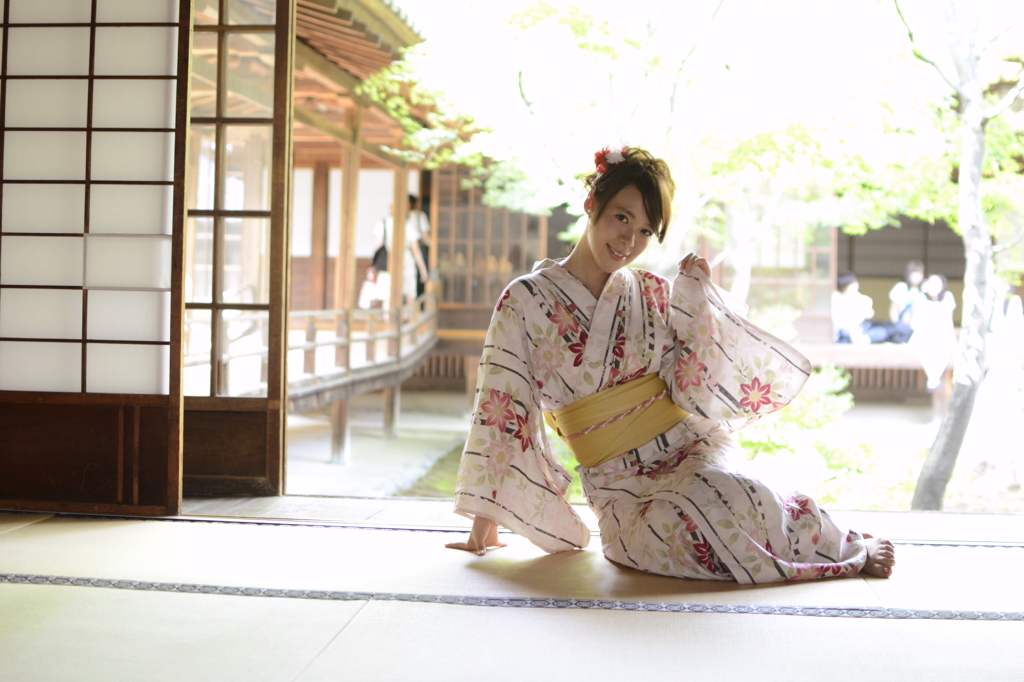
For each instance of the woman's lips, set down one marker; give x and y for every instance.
(616, 255)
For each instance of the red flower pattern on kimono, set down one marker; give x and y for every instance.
(704, 554)
(688, 371)
(562, 317)
(577, 349)
(691, 527)
(798, 507)
(653, 291)
(498, 408)
(619, 350)
(501, 301)
(756, 394)
(522, 433)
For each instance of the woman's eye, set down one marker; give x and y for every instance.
(622, 218)
(647, 233)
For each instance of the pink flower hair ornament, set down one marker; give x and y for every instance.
(608, 157)
(602, 159)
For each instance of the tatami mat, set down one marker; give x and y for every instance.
(409, 562)
(427, 643)
(85, 634)
(154, 632)
(10, 522)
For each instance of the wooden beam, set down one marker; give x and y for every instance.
(335, 130)
(347, 136)
(376, 16)
(320, 68)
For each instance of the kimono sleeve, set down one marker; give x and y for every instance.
(721, 366)
(508, 472)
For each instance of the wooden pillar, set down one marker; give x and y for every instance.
(341, 433)
(345, 273)
(318, 257)
(392, 409)
(471, 369)
(396, 266)
(345, 267)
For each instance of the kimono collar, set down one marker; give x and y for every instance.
(616, 285)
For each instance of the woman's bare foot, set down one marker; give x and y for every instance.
(881, 557)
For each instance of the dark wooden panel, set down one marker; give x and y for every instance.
(65, 453)
(225, 444)
(153, 436)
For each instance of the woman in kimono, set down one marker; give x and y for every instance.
(644, 380)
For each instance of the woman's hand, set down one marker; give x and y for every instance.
(482, 539)
(691, 261)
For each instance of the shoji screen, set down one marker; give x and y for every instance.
(90, 253)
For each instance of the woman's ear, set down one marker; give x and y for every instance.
(588, 204)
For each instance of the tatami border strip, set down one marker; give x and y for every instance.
(517, 602)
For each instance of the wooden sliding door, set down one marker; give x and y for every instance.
(93, 97)
(236, 247)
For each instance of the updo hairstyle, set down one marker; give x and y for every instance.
(649, 174)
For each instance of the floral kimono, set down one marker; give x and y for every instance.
(671, 506)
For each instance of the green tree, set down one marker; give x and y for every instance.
(974, 51)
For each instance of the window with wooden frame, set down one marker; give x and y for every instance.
(793, 267)
(227, 254)
(479, 249)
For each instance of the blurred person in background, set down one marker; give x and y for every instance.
(852, 312)
(901, 306)
(934, 337)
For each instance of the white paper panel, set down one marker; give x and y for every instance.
(57, 51)
(44, 156)
(130, 209)
(129, 262)
(47, 103)
(302, 213)
(51, 11)
(133, 104)
(132, 11)
(32, 366)
(54, 261)
(44, 208)
(129, 316)
(133, 156)
(125, 368)
(41, 313)
(136, 51)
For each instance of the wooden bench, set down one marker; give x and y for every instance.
(888, 372)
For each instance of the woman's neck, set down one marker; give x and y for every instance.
(583, 266)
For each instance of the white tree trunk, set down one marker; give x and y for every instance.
(969, 365)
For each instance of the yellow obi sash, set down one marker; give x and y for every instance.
(610, 422)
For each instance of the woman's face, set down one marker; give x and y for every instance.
(932, 286)
(622, 232)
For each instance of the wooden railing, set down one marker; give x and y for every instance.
(336, 349)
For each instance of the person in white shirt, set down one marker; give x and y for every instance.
(934, 337)
(417, 223)
(852, 312)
